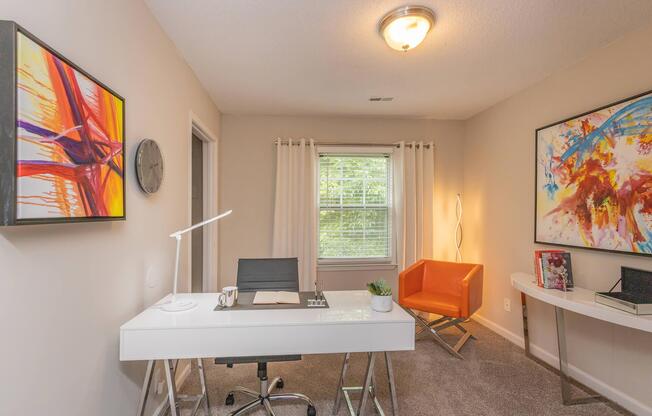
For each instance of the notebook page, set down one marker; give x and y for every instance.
(265, 298)
(288, 297)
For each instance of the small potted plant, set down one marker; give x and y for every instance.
(381, 296)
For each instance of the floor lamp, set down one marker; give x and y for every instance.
(177, 305)
(458, 229)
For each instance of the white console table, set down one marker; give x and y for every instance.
(580, 301)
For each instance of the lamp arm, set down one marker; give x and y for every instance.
(201, 224)
(177, 235)
(176, 268)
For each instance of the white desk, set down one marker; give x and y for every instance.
(348, 325)
(580, 301)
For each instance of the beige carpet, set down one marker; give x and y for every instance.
(495, 379)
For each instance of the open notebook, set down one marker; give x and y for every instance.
(270, 298)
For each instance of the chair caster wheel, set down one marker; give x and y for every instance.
(230, 400)
(280, 384)
(312, 411)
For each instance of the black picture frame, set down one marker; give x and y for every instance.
(536, 179)
(9, 31)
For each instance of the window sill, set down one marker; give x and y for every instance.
(336, 267)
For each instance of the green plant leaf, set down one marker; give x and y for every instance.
(379, 288)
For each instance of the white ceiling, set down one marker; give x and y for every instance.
(301, 57)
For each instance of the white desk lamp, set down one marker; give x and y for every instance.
(176, 305)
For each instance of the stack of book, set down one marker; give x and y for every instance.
(553, 269)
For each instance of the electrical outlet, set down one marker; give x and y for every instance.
(159, 387)
(507, 304)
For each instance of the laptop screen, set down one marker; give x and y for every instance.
(636, 281)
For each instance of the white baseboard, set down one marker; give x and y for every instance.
(606, 390)
(179, 380)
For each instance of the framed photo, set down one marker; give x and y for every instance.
(594, 179)
(62, 137)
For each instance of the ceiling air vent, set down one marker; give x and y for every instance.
(375, 99)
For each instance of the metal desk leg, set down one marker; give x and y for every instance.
(146, 385)
(392, 385)
(368, 391)
(172, 389)
(372, 388)
(204, 389)
(365, 389)
(340, 386)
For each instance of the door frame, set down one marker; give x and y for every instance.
(209, 151)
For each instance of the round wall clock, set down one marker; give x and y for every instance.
(149, 166)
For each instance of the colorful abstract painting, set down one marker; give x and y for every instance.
(70, 144)
(594, 179)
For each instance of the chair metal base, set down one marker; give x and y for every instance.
(174, 399)
(264, 398)
(433, 328)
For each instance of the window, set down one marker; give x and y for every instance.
(355, 207)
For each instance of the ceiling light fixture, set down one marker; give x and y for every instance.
(406, 27)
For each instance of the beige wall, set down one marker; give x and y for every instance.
(247, 175)
(66, 289)
(498, 189)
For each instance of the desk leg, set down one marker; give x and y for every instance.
(204, 389)
(172, 389)
(367, 383)
(368, 391)
(146, 385)
(340, 386)
(392, 385)
(372, 388)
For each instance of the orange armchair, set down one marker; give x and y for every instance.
(453, 290)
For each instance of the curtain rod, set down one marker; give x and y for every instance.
(285, 142)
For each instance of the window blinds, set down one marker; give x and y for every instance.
(354, 206)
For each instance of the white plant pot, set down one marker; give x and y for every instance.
(381, 303)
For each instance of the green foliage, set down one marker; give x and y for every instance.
(379, 288)
(354, 206)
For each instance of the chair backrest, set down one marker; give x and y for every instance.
(445, 277)
(268, 274)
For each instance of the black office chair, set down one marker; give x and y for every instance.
(255, 275)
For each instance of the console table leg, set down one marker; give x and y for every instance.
(566, 393)
(563, 357)
(526, 333)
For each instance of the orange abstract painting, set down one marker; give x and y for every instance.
(594, 179)
(70, 140)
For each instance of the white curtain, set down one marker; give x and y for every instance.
(295, 207)
(414, 191)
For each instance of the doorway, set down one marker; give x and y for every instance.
(197, 214)
(202, 205)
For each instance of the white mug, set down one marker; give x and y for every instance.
(228, 297)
